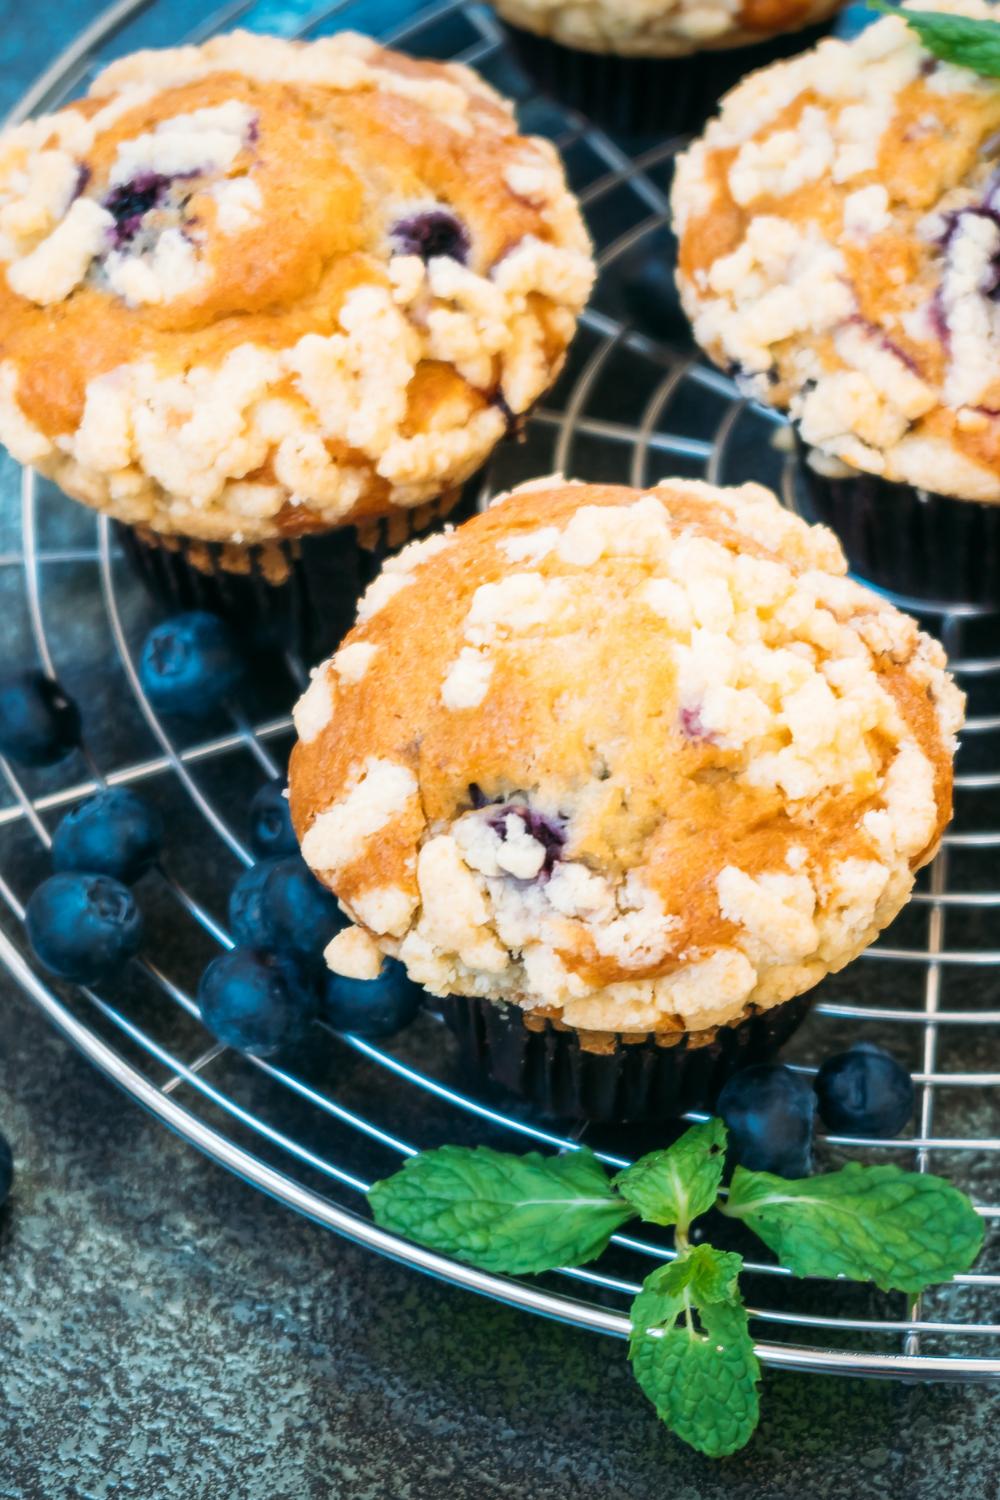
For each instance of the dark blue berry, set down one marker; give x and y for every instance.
(256, 1000)
(83, 926)
(372, 1007)
(6, 1170)
(39, 723)
(431, 234)
(113, 833)
(271, 831)
(189, 664)
(280, 904)
(246, 920)
(852, 20)
(768, 1111)
(864, 1092)
(128, 202)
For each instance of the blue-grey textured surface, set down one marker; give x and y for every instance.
(166, 1331)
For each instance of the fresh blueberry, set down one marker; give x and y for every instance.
(864, 1092)
(83, 926)
(768, 1111)
(6, 1170)
(39, 723)
(189, 664)
(430, 234)
(113, 833)
(271, 831)
(256, 1000)
(280, 904)
(372, 1007)
(246, 918)
(853, 20)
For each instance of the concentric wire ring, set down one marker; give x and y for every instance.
(631, 408)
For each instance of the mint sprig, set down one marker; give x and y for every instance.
(690, 1344)
(955, 39)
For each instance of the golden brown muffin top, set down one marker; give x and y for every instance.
(839, 245)
(260, 287)
(640, 758)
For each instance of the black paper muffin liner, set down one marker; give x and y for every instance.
(909, 541)
(295, 596)
(604, 1076)
(648, 95)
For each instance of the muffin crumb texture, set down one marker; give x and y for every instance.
(635, 761)
(259, 288)
(662, 28)
(839, 229)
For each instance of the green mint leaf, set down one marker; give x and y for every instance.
(902, 1230)
(715, 1275)
(518, 1214)
(703, 1382)
(676, 1185)
(954, 39)
(706, 1274)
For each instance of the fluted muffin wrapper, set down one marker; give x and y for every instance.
(608, 1076)
(295, 595)
(648, 95)
(909, 541)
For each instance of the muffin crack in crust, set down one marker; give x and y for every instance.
(638, 761)
(259, 288)
(839, 229)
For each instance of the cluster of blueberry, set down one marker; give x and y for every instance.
(188, 666)
(84, 923)
(264, 993)
(769, 1110)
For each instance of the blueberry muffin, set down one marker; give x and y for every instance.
(624, 774)
(839, 252)
(259, 289)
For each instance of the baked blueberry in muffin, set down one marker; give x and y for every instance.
(639, 765)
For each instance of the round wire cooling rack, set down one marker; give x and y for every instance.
(634, 404)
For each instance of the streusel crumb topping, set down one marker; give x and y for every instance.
(637, 759)
(259, 288)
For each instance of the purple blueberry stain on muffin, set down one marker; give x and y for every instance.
(129, 202)
(691, 724)
(544, 830)
(431, 235)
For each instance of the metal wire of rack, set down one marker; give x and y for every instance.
(632, 406)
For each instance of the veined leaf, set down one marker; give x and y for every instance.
(902, 1230)
(517, 1214)
(676, 1185)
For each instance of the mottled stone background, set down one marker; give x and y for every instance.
(166, 1331)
